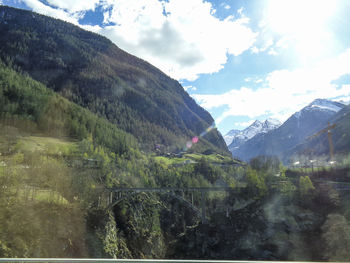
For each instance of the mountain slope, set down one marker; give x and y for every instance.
(30, 106)
(91, 71)
(340, 136)
(256, 128)
(292, 132)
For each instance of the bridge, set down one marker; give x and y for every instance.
(186, 194)
(117, 194)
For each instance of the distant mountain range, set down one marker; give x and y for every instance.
(286, 140)
(235, 138)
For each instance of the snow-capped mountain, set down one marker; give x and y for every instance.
(321, 105)
(235, 138)
(320, 144)
(230, 135)
(281, 141)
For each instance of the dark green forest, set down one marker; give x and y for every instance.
(78, 116)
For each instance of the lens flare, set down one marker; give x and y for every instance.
(195, 139)
(207, 130)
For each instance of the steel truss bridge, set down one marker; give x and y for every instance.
(185, 195)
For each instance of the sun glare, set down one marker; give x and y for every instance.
(298, 16)
(304, 23)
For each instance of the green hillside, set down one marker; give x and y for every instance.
(57, 159)
(91, 71)
(32, 107)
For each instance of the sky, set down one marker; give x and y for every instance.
(241, 60)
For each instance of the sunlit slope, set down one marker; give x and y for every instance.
(91, 71)
(41, 207)
(30, 106)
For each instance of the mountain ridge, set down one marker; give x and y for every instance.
(235, 138)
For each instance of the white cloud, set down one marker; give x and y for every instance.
(240, 11)
(345, 99)
(254, 79)
(187, 42)
(74, 6)
(255, 50)
(284, 91)
(272, 52)
(189, 88)
(225, 5)
(41, 8)
(263, 45)
(244, 124)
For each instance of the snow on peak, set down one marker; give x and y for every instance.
(326, 105)
(274, 122)
(321, 105)
(255, 128)
(256, 123)
(230, 135)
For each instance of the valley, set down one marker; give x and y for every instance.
(80, 117)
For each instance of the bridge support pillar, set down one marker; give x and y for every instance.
(203, 206)
(111, 197)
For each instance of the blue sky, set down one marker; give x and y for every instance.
(241, 60)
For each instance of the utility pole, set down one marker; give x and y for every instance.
(330, 141)
(331, 148)
(203, 205)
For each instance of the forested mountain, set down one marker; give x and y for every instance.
(295, 130)
(31, 107)
(319, 145)
(90, 70)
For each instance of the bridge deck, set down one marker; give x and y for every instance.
(165, 189)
